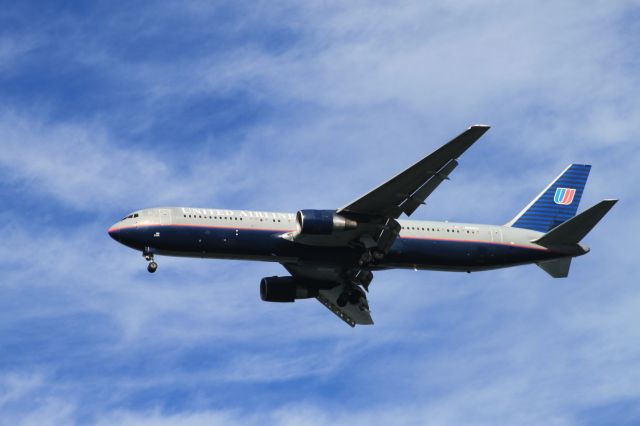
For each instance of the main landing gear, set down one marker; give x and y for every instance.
(370, 257)
(353, 296)
(152, 266)
(353, 293)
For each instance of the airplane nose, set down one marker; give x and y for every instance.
(114, 233)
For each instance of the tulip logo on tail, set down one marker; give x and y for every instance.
(564, 196)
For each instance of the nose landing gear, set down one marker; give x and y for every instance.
(152, 266)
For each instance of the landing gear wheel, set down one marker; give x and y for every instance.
(342, 300)
(378, 255)
(152, 267)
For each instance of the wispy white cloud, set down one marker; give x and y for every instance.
(82, 167)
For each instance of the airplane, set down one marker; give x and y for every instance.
(331, 254)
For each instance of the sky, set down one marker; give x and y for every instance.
(107, 107)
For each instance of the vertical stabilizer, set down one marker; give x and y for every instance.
(557, 203)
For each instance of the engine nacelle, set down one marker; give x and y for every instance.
(322, 222)
(285, 289)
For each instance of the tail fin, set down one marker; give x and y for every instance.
(575, 229)
(557, 203)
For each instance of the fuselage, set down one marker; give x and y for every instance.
(263, 236)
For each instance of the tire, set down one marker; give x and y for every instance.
(152, 267)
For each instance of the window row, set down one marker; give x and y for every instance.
(417, 228)
(223, 217)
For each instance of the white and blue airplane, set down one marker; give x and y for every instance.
(331, 254)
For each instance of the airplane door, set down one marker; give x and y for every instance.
(165, 216)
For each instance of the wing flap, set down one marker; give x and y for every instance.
(418, 198)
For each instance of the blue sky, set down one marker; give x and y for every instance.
(107, 107)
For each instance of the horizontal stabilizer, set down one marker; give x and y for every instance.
(557, 268)
(575, 229)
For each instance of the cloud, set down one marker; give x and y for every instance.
(81, 167)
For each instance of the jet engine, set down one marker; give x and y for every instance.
(285, 289)
(322, 222)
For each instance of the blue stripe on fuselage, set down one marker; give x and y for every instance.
(266, 243)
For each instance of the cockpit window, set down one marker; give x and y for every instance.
(135, 215)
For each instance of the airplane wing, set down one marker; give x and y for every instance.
(352, 314)
(375, 230)
(405, 192)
